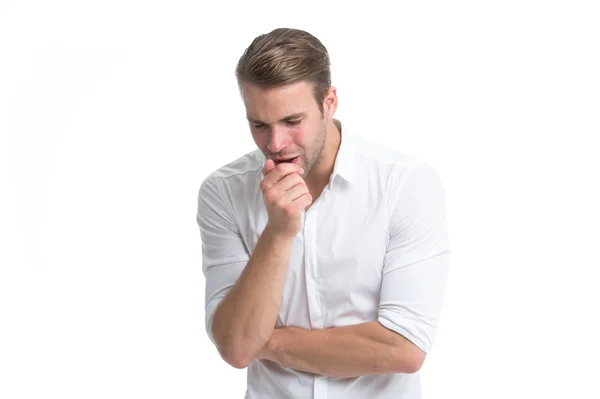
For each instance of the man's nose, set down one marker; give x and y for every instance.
(277, 139)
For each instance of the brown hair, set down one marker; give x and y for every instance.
(285, 56)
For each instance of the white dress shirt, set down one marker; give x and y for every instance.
(372, 247)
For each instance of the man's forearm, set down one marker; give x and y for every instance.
(348, 351)
(244, 320)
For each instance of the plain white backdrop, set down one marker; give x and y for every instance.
(112, 113)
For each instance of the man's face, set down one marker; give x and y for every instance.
(286, 123)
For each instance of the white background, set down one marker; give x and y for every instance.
(112, 113)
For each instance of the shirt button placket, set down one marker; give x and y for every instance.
(312, 284)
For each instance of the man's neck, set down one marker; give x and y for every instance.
(321, 173)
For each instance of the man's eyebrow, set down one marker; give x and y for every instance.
(284, 119)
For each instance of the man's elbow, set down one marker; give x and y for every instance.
(236, 355)
(236, 352)
(416, 362)
(237, 360)
(410, 360)
(241, 348)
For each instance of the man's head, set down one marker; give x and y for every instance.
(285, 82)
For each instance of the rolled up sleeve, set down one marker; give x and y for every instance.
(416, 262)
(224, 254)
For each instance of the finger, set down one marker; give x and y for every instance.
(285, 167)
(296, 192)
(269, 165)
(279, 172)
(289, 181)
(304, 201)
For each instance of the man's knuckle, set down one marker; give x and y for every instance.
(270, 195)
(280, 203)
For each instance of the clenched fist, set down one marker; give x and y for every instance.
(285, 195)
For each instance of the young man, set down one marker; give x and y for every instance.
(325, 254)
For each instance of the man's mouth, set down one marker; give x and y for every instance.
(290, 160)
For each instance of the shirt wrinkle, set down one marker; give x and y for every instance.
(377, 252)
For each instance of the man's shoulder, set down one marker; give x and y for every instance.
(235, 177)
(384, 155)
(393, 165)
(248, 164)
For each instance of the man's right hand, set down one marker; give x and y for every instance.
(285, 194)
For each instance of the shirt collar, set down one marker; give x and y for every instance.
(344, 161)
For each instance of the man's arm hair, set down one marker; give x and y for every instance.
(244, 320)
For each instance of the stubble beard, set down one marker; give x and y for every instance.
(316, 152)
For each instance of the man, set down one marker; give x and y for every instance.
(325, 254)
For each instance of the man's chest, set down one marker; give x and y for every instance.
(335, 268)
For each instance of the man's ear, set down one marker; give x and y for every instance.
(330, 103)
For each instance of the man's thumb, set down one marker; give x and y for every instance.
(269, 165)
